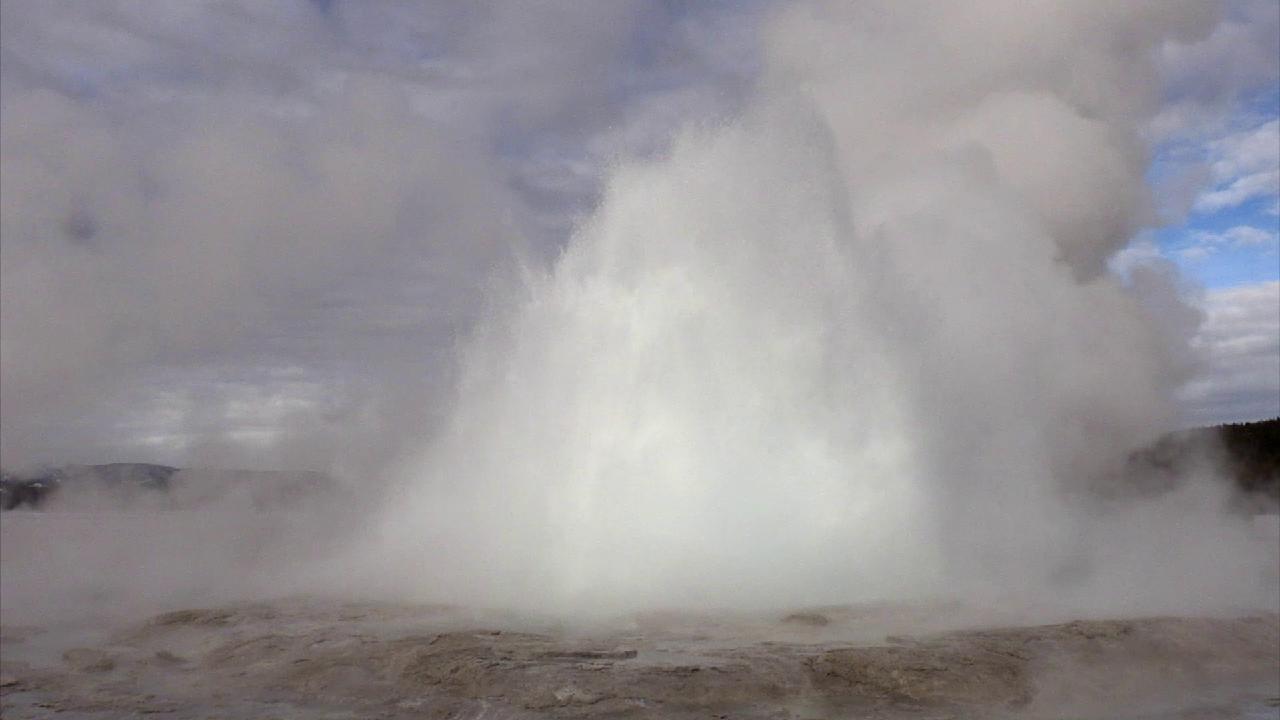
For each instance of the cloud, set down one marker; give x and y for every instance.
(1141, 252)
(1218, 89)
(1240, 341)
(1245, 165)
(227, 234)
(1240, 236)
(1238, 191)
(198, 197)
(1205, 76)
(255, 233)
(1203, 244)
(1196, 252)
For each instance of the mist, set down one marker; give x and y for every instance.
(820, 307)
(855, 343)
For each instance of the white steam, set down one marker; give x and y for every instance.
(857, 343)
(854, 338)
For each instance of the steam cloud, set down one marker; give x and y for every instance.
(833, 321)
(855, 343)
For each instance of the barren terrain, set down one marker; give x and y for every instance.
(309, 658)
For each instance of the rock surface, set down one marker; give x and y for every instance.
(315, 659)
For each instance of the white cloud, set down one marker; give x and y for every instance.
(1245, 165)
(1240, 344)
(1243, 235)
(1205, 243)
(1197, 252)
(1203, 130)
(1239, 191)
(1142, 251)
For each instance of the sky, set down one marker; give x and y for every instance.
(1228, 235)
(253, 233)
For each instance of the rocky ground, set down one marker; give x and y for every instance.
(313, 659)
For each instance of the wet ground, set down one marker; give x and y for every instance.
(304, 658)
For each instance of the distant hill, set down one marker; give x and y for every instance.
(160, 486)
(141, 476)
(1249, 452)
(1254, 449)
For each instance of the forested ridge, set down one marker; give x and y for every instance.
(1248, 452)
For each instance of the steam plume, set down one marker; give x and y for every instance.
(855, 343)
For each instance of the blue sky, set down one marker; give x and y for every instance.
(1227, 236)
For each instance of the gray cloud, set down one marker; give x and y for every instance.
(1205, 75)
(1240, 340)
(231, 235)
(1213, 150)
(202, 198)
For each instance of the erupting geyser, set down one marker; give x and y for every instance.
(858, 342)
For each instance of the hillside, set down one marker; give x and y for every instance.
(159, 486)
(1250, 452)
(1254, 448)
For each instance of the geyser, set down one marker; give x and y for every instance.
(857, 343)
